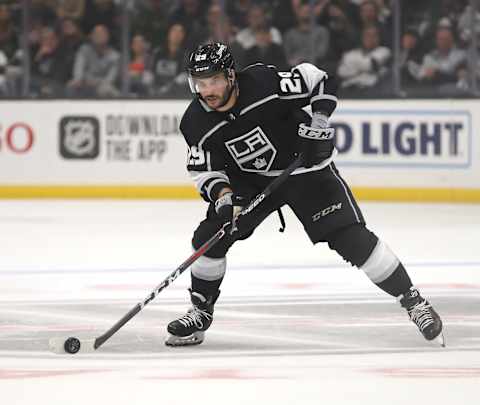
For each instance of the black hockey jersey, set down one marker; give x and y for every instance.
(258, 136)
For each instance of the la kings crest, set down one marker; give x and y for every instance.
(253, 151)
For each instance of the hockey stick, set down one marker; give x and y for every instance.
(74, 345)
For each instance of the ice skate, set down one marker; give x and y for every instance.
(190, 329)
(423, 315)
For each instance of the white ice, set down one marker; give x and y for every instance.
(294, 323)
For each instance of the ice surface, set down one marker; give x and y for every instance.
(294, 323)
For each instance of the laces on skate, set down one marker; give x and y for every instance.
(195, 317)
(421, 315)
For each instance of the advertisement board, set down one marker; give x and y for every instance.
(389, 149)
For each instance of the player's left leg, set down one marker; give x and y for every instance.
(328, 211)
(363, 249)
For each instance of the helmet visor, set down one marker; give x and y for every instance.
(193, 86)
(216, 80)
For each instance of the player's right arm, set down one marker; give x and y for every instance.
(213, 185)
(205, 165)
(211, 181)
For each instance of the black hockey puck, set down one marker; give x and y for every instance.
(72, 345)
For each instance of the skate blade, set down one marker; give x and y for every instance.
(440, 339)
(177, 341)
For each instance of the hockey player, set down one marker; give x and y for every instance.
(242, 129)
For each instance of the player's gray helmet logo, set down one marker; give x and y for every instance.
(79, 137)
(253, 151)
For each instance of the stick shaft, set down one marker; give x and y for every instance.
(165, 283)
(99, 341)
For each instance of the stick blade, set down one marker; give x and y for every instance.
(57, 345)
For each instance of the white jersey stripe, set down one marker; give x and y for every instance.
(346, 192)
(324, 97)
(257, 103)
(303, 95)
(199, 178)
(208, 189)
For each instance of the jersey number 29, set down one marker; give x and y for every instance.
(290, 83)
(196, 156)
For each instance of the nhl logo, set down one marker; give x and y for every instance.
(79, 137)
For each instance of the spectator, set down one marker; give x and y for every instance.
(169, 63)
(370, 15)
(8, 35)
(71, 38)
(15, 55)
(96, 67)
(266, 51)
(140, 75)
(365, 67)
(49, 72)
(257, 22)
(410, 57)
(306, 42)
(342, 33)
(441, 66)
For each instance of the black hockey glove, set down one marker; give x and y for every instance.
(315, 141)
(228, 206)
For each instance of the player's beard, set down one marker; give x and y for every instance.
(217, 102)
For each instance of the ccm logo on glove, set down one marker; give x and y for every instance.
(315, 133)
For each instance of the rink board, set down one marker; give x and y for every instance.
(416, 150)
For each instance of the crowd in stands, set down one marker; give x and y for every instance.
(74, 47)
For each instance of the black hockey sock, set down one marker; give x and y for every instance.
(204, 287)
(397, 283)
